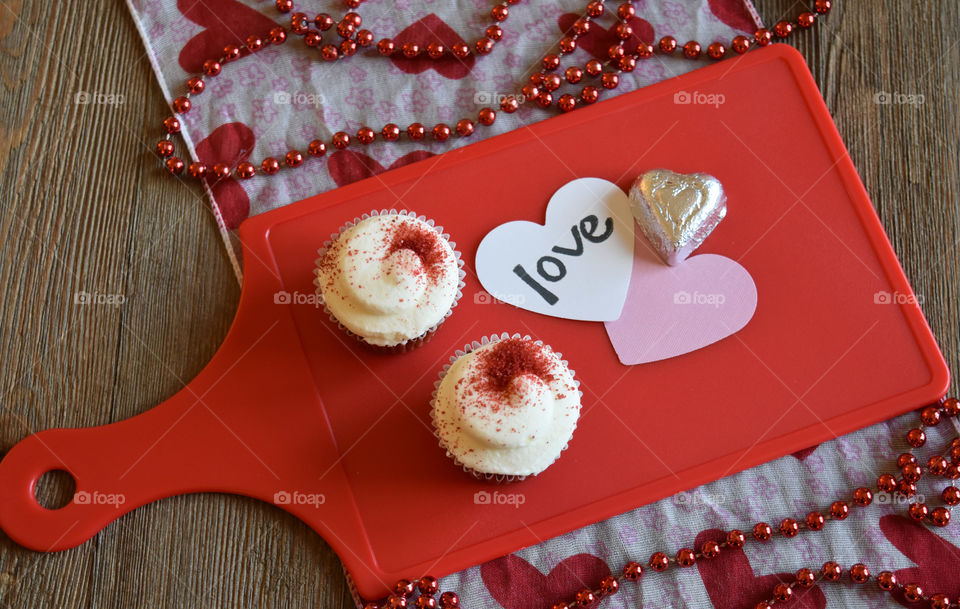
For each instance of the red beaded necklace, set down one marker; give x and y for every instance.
(541, 88)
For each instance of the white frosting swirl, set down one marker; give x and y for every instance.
(518, 431)
(383, 290)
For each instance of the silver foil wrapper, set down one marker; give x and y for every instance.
(677, 211)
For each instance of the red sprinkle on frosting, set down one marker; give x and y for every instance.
(512, 357)
(422, 241)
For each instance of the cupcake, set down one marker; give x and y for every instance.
(389, 279)
(505, 407)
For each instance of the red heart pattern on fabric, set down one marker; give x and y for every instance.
(731, 584)
(938, 560)
(516, 584)
(228, 144)
(225, 22)
(346, 166)
(598, 40)
(423, 32)
(733, 13)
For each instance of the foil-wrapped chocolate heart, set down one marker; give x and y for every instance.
(677, 211)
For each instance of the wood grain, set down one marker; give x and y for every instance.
(84, 209)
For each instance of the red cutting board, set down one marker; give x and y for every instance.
(289, 405)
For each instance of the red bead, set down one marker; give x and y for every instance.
(763, 605)
(164, 148)
(951, 495)
(416, 131)
(627, 64)
(939, 601)
(918, 511)
(710, 549)
(911, 472)
(659, 561)
(686, 557)
(551, 82)
(435, 50)
(762, 531)
(284, 6)
(822, 6)
(530, 91)
(644, 50)
(839, 510)
(594, 67)
(691, 50)
(317, 148)
(428, 585)
(509, 104)
(806, 19)
(736, 538)
(886, 581)
(668, 44)
(278, 35)
(323, 21)
(544, 99)
(449, 600)
(174, 165)
(494, 32)
(404, 588)
(616, 51)
(716, 50)
(568, 44)
(782, 29)
(426, 602)
(585, 598)
(181, 105)
(329, 52)
(298, 23)
(220, 171)
(386, 47)
(293, 158)
(905, 459)
(341, 139)
(632, 571)
(395, 601)
(483, 46)
(573, 74)
(461, 50)
(353, 19)
(609, 585)
(560, 605)
(930, 416)
(831, 571)
(782, 593)
(550, 62)
(906, 488)
(954, 453)
(499, 12)
(589, 95)
(595, 8)
(625, 11)
(859, 573)
(441, 132)
(410, 49)
(862, 496)
(953, 472)
(815, 521)
(254, 43)
(610, 80)
(364, 38)
(464, 127)
(487, 116)
(231, 52)
(245, 170)
(762, 37)
(887, 483)
(312, 38)
(806, 578)
(348, 47)
(623, 31)
(951, 407)
(345, 30)
(789, 527)
(197, 170)
(390, 132)
(940, 517)
(211, 67)
(366, 135)
(912, 592)
(270, 166)
(916, 438)
(195, 85)
(741, 44)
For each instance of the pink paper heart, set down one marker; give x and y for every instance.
(670, 311)
(516, 584)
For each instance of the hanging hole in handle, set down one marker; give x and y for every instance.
(55, 489)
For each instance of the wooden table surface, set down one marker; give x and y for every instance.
(84, 209)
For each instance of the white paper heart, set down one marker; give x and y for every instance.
(577, 265)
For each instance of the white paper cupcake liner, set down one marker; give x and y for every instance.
(411, 343)
(501, 478)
